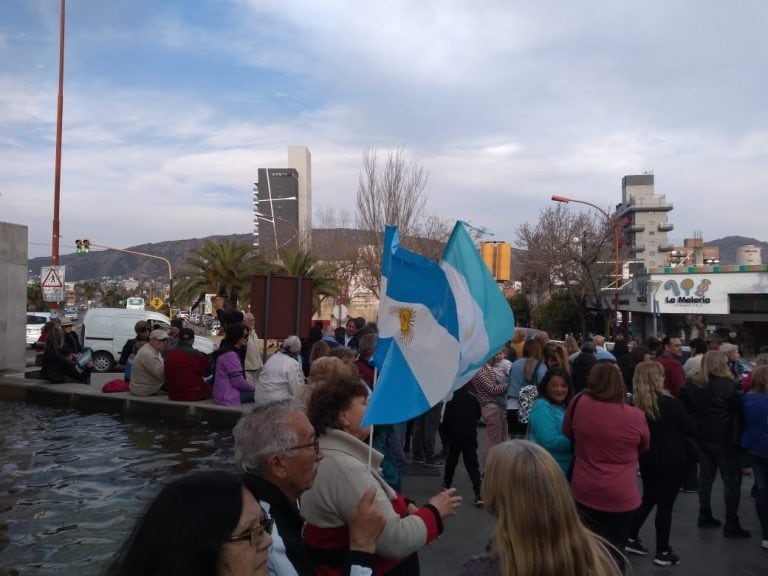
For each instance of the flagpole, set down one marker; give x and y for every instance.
(370, 436)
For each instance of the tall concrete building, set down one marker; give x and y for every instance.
(282, 205)
(300, 160)
(643, 216)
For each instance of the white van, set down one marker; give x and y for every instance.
(106, 330)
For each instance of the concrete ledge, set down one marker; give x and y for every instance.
(90, 398)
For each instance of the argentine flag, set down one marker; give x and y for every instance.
(418, 344)
(391, 244)
(485, 317)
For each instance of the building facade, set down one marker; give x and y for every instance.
(282, 206)
(644, 221)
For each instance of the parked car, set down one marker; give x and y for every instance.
(106, 330)
(35, 323)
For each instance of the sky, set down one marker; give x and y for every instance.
(171, 107)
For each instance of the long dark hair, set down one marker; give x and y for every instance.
(552, 372)
(183, 528)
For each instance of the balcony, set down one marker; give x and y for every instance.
(636, 249)
(644, 205)
(666, 248)
(636, 228)
(666, 227)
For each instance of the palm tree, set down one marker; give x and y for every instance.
(224, 267)
(305, 265)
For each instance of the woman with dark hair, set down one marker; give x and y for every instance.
(637, 355)
(335, 409)
(537, 530)
(58, 366)
(663, 466)
(714, 398)
(203, 524)
(545, 423)
(230, 386)
(608, 436)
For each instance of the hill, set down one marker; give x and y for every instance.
(110, 263)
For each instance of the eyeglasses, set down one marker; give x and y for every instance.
(315, 444)
(254, 534)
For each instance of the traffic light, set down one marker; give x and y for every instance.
(86, 245)
(79, 245)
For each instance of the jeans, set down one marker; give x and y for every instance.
(760, 470)
(727, 459)
(424, 433)
(660, 489)
(516, 428)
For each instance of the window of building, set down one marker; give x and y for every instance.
(748, 303)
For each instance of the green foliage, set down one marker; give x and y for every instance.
(35, 297)
(220, 267)
(324, 277)
(114, 298)
(558, 316)
(520, 308)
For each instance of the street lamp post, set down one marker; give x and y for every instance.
(616, 246)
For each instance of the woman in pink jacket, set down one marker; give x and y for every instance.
(230, 386)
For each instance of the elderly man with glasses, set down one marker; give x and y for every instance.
(277, 452)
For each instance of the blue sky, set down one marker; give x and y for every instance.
(171, 107)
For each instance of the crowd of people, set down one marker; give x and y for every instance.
(569, 427)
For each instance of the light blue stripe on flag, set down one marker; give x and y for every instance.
(485, 318)
(418, 316)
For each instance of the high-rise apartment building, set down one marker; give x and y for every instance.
(643, 216)
(282, 205)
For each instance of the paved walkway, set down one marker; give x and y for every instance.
(703, 552)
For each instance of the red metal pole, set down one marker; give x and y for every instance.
(57, 169)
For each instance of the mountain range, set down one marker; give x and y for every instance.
(111, 263)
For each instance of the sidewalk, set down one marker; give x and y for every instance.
(703, 552)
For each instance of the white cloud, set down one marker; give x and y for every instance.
(169, 112)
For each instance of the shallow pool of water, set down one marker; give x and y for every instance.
(72, 484)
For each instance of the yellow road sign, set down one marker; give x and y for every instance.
(156, 303)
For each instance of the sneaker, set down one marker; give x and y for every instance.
(479, 501)
(634, 546)
(689, 489)
(708, 521)
(735, 531)
(667, 558)
(765, 544)
(434, 461)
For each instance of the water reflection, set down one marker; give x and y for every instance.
(72, 484)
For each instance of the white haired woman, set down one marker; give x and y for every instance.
(281, 377)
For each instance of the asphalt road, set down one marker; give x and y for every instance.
(703, 552)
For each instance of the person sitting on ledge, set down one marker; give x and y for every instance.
(147, 376)
(186, 369)
(58, 367)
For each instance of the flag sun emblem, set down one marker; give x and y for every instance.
(406, 318)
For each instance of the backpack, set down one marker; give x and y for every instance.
(528, 395)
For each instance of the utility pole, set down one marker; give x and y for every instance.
(57, 167)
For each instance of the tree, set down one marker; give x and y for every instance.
(521, 309)
(389, 192)
(224, 267)
(305, 265)
(568, 252)
(35, 297)
(558, 316)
